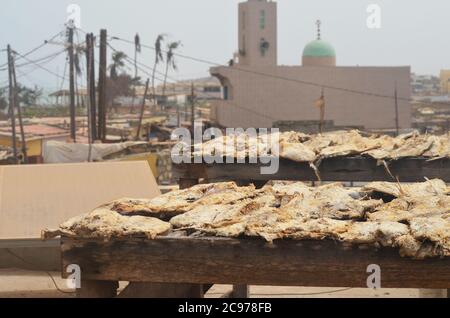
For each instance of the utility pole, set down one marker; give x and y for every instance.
(192, 108)
(19, 112)
(320, 103)
(90, 63)
(102, 87)
(141, 116)
(397, 125)
(73, 129)
(12, 114)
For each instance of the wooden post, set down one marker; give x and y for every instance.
(88, 86)
(97, 289)
(12, 114)
(158, 290)
(90, 55)
(320, 103)
(102, 87)
(397, 125)
(192, 109)
(141, 116)
(19, 112)
(73, 129)
(240, 291)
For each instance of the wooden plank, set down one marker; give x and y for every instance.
(332, 169)
(249, 261)
(432, 293)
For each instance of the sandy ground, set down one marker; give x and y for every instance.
(19, 283)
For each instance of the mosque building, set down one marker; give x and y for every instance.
(257, 92)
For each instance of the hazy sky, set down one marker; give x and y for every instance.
(413, 32)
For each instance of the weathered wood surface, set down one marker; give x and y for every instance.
(249, 262)
(332, 169)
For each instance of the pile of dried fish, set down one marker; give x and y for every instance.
(415, 218)
(301, 147)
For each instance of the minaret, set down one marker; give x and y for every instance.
(258, 33)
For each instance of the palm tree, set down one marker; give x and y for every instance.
(158, 58)
(170, 62)
(137, 49)
(118, 63)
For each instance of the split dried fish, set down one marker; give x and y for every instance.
(105, 224)
(413, 218)
(178, 202)
(300, 147)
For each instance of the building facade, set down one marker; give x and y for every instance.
(445, 82)
(257, 92)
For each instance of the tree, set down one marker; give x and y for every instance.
(158, 58)
(3, 99)
(170, 62)
(29, 96)
(117, 65)
(137, 50)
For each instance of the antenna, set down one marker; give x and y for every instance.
(319, 24)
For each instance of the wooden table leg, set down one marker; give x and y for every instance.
(159, 290)
(240, 291)
(97, 289)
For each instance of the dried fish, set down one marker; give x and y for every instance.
(105, 224)
(413, 218)
(300, 147)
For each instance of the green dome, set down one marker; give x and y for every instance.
(319, 48)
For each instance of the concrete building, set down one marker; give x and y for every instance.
(426, 85)
(257, 92)
(445, 82)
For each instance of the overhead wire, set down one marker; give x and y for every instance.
(236, 68)
(39, 66)
(254, 112)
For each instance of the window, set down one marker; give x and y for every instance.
(262, 19)
(211, 89)
(225, 93)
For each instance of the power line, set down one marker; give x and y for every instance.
(37, 48)
(40, 66)
(44, 59)
(236, 68)
(35, 266)
(254, 112)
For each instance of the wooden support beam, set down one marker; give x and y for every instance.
(203, 260)
(359, 169)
